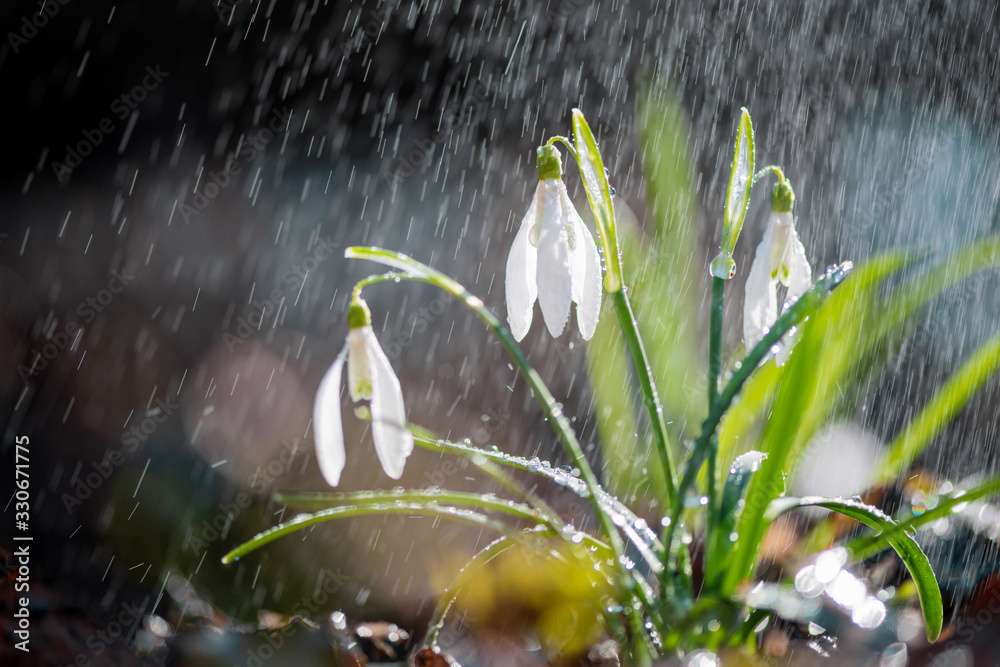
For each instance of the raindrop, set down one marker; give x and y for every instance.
(806, 582)
(894, 655)
(829, 564)
(848, 591)
(702, 659)
(869, 614)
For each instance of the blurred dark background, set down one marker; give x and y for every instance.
(410, 126)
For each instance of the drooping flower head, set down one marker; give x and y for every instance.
(554, 259)
(780, 257)
(369, 377)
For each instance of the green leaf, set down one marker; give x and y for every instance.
(868, 546)
(808, 386)
(875, 318)
(737, 482)
(938, 411)
(595, 182)
(413, 509)
(904, 545)
(738, 191)
(634, 529)
(807, 305)
(836, 349)
(482, 502)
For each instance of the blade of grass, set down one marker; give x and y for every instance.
(414, 509)
(939, 411)
(808, 383)
(483, 502)
(904, 545)
(868, 546)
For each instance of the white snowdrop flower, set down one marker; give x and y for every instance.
(780, 257)
(554, 259)
(369, 377)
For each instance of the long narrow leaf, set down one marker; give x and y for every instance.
(738, 191)
(635, 529)
(415, 509)
(595, 183)
(866, 547)
(808, 384)
(904, 545)
(482, 502)
(938, 411)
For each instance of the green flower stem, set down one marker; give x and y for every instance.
(714, 371)
(314, 502)
(863, 548)
(650, 397)
(415, 271)
(419, 509)
(553, 411)
(479, 458)
(806, 304)
(769, 169)
(565, 141)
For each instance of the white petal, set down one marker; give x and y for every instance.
(799, 271)
(521, 277)
(585, 270)
(555, 289)
(359, 373)
(393, 442)
(328, 431)
(760, 308)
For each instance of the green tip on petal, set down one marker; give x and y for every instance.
(358, 314)
(723, 266)
(782, 197)
(549, 163)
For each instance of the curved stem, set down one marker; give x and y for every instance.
(478, 560)
(650, 397)
(482, 460)
(806, 304)
(484, 502)
(565, 141)
(553, 411)
(714, 370)
(769, 169)
(306, 520)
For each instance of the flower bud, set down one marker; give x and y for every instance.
(549, 163)
(358, 314)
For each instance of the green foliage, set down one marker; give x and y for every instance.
(845, 325)
(908, 550)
